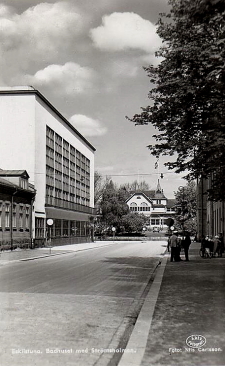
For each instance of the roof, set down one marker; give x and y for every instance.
(139, 193)
(151, 194)
(171, 203)
(14, 173)
(31, 90)
(7, 183)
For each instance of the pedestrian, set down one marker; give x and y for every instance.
(173, 246)
(168, 244)
(221, 243)
(216, 245)
(186, 244)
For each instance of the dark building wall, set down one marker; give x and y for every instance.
(15, 217)
(201, 208)
(210, 215)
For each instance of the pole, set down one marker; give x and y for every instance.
(11, 221)
(202, 208)
(183, 217)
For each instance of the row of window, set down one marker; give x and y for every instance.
(67, 170)
(20, 216)
(144, 207)
(140, 208)
(61, 228)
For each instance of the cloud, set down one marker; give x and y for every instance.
(69, 78)
(38, 35)
(124, 68)
(122, 31)
(87, 126)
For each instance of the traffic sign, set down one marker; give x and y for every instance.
(49, 222)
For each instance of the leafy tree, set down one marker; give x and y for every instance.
(188, 94)
(113, 205)
(133, 222)
(186, 208)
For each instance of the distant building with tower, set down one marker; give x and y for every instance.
(154, 205)
(58, 160)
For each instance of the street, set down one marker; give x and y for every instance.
(74, 308)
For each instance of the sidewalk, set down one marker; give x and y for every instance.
(190, 301)
(30, 254)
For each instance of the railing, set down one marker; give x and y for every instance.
(60, 203)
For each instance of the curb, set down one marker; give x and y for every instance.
(43, 256)
(139, 336)
(52, 255)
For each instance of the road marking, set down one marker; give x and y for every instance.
(139, 336)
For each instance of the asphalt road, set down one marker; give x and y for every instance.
(72, 309)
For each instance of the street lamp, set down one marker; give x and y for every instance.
(182, 207)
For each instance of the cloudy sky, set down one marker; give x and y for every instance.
(86, 57)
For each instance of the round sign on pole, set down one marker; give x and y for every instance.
(113, 229)
(49, 222)
(172, 228)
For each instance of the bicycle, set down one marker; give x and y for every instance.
(205, 253)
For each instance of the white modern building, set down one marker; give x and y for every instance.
(60, 162)
(154, 205)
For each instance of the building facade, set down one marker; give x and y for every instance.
(210, 214)
(58, 159)
(154, 205)
(16, 206)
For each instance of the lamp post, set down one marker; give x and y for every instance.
(50, 223)
(114, 232)
(182, 207)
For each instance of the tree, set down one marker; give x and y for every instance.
(133, 222)
(99, 185)
(113, 205)
(135, 185)
(188, 94)
(186, 208)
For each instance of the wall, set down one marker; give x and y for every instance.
(17, 133)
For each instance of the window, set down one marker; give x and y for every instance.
(83, 225)
(143, 206)
(14, 223)
(27, 221)
(77, 228)
(133, 206)
(73, 228)
(7, 215)
(57, 227)
(65, 227)
(0, 215)
(23, 183)
(39, 227)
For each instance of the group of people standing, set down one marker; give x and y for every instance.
(215, 245)
(175, 244)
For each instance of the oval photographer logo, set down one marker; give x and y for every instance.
(195, 341)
